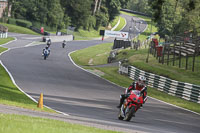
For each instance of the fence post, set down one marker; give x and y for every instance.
(174, 55)
(163, 54)
(168, 55)
(180, 55)
(186, 65)
(194, 58)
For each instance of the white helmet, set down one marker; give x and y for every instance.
(141, 81)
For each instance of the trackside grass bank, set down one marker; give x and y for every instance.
(5, 40)
(121, 24)
(18, 29)
(96, 55)
(2, 49)
(25, 124)
(85, 34)
(111, 73)
(150, 29)
(9, 93)
(91, 34)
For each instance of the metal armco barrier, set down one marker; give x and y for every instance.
(183, 90)
(121, 43)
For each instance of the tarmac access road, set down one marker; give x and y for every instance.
(80, 94)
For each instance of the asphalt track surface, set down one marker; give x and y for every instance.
(76, 92)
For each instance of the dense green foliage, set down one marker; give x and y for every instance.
(59, 14)
(176, 16)
(172, 16)
(140, 6)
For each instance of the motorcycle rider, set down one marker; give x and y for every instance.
(46, 50)
(64, 43)
(139, 85)
(49, 42)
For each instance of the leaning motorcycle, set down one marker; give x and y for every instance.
(131, 105)
(45, 54)
(63, 44)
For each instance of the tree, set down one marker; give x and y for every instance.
(124, 3)
(79, 11)
(95, 6)
(176, 16)
(139, 5)
(113, 8)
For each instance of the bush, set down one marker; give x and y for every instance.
(12, 21)
(23, 23)
(19, 22)
(46, 27)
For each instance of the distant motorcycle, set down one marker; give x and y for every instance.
(46, 53)
(64, 44)
(130, 105)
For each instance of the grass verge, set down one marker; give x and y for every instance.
(111, 73)
(138, 59)
(95, 55)
(24, 124)
(6, 40)
(121, 24)
(150, 29)
(2, 49)
(19, 29)
(10, 94)
(115, 21)
(85, 34)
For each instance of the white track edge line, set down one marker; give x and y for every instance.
(3, 45)
(10, 75)
(124, 87)
(116, 25)
(124, 25)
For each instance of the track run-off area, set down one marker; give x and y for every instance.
(80, 94)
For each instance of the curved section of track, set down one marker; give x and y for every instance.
(81, 94)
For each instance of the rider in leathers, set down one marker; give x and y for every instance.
(139, 85)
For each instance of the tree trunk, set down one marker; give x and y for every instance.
(95, 6)
(99, 5)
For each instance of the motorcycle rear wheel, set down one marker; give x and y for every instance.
(129, 114)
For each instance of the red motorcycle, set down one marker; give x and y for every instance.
(131, 105)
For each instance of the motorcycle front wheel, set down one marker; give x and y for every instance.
(129, 114)
(45, 57)
(120, 116)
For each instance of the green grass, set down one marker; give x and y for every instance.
(111, 74)
(96, 55)
(115, 21)
(121, 24)
(9, 93)
(24, 124)
(138, 59)
(149, 29)
(6, 40)
(19, 29)
(2, 49)
(86, 35)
